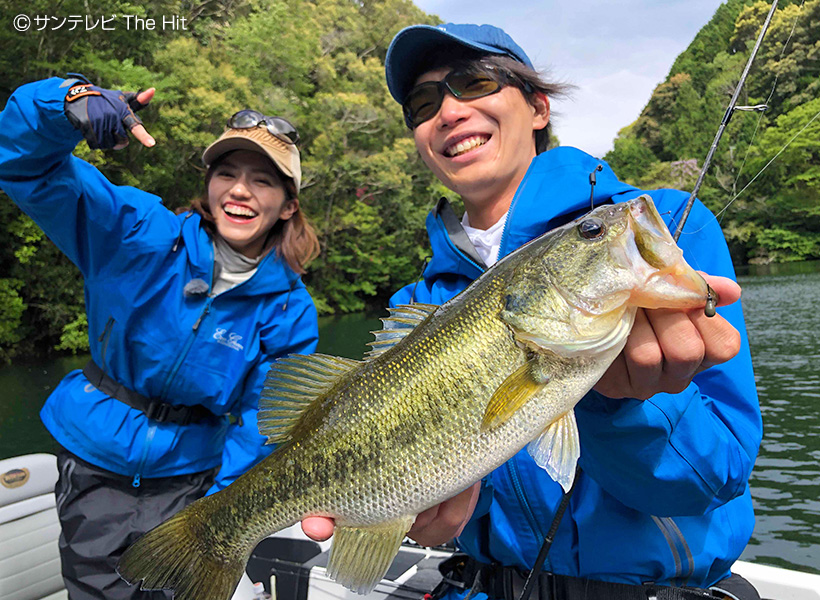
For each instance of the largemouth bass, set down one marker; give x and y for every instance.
(447, 395)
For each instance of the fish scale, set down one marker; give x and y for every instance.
(447, 395)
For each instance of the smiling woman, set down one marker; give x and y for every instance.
(252, 185)
(185, 313)
(246, 198)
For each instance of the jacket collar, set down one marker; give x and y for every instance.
(554, 191)
(273, 275)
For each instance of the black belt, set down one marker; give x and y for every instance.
(507, 583)
(155, 410)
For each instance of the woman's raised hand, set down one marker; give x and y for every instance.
(105, 117)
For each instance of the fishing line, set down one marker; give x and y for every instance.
(748, 148)
(730, 110)
(771, 94)
(725, 208)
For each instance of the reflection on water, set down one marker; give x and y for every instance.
(782, 310)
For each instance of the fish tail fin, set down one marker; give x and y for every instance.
(180, 555)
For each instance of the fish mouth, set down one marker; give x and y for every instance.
(665, 279)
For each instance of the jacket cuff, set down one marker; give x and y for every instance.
(49, 98)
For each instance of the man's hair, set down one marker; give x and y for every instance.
(294, 239)
(529, 81)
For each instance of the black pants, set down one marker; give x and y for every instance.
(101, 514)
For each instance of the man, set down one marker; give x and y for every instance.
(669, 435)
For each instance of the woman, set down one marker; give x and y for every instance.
(185, 313)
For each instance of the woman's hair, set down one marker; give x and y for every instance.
(528, 80)
(294, 238)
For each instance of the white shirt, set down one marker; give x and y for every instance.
(486, 241)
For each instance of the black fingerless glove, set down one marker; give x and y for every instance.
(104, 117)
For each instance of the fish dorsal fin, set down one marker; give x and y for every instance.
(402, 320)
(292, 384)
(557, 449)
(360, 556)
(513, 393)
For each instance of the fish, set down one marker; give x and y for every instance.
(446, 395)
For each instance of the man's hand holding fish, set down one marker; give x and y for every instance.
(667, 348)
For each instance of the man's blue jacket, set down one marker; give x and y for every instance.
(145, 331)
(663, 495)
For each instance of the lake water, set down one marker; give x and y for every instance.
(782, 306)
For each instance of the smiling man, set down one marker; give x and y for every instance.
(669, 435)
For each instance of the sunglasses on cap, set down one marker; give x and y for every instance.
(424, 100)
(280, 128)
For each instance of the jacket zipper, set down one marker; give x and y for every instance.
(104, 338)
(515, 477)
(149, 437)
(202, 316)
(185, 350)
(504, 232)
(152, 428)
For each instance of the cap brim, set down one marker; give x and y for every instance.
(405, 61)
(225, 145)
(285, 157)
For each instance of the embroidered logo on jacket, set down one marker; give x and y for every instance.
(231, 341)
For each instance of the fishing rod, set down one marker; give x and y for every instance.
(726, 117)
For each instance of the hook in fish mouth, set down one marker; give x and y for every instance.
(668, 280)
(652, 229)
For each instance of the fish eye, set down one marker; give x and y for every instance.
(591, 228)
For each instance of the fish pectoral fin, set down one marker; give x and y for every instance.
(293, 384)
(360, 556)
(557, 449)
(514, 392)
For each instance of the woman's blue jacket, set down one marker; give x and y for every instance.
(136, 258)
(663, 495)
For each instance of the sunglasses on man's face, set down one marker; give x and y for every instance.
(280, 128)
(424, 100)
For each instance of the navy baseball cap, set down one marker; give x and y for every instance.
(413, 48)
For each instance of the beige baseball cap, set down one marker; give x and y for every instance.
(258, 139)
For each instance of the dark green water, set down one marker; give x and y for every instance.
(782, 306)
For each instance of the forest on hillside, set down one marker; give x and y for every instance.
(776, 215)
(319, 63)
